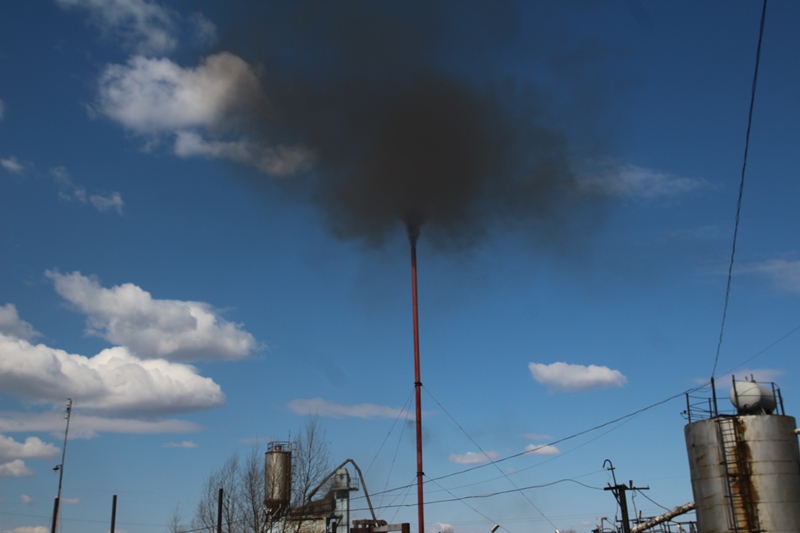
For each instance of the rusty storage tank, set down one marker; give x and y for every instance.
(278, 476)
(745, 467)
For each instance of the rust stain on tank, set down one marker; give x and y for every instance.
(744, 493)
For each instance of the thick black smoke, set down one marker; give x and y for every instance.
(416, 113)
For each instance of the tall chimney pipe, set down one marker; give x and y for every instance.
(413, 236)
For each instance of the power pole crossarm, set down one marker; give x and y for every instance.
(622, 499)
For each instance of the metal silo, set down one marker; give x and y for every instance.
(745, 469)
(278, 476)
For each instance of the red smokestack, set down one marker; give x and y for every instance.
(413, 235)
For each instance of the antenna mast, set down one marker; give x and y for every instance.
(60, 468)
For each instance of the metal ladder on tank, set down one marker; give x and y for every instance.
(741, 513)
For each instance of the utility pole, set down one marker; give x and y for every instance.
(619, 493)
(60, 468)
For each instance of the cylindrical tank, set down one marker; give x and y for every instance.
(278, 475)
(745, 473)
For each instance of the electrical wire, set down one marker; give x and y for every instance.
(741, 189)
(505, 475)
(578, 434)
(493, 494)
(404, 411)
(651, 500)
(407, 411)
(781, 339)
(565, 439)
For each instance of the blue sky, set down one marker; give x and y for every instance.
(203, 244)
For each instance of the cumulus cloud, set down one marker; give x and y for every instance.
(71, 192)
(11, 165)
(27, 500)
(25, 529)
(32, 448)
(542, 449)
(150, 328)
(113, 380)
(321, 407)
(142, 25)
(15, 468)
(184, 444)
(149, 96)
(563, 377)
(89, 425)
(13, 326)
(143, 376)
(784, 274)
(631, 181)
(473, 458)
(156, 97)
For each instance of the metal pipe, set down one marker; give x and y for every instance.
(413, 235)
(669, 515)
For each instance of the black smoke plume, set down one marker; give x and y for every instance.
(417, 114)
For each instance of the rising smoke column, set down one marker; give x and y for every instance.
(408, 120)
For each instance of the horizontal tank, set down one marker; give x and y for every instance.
(745, 473)
(750, 398)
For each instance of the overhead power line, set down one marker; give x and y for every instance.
(741, 189)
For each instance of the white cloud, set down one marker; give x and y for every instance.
(542, 449)
(784, 274)
(113, 380)
(563, 377)
(155, 97)
(71, 501)
(150, 96)
(321, 407)
(632, 181)
(32, 448)
(170, 329)
(27, 500)
(111, 202)
(25, 529)
(15, 468)
(70, 192)
(473, 458)
(184, 444)
(141, 24)
(88, 426)
(12, 325)
(117, 380)
(277, 161)
(440, 527)
(11, 165)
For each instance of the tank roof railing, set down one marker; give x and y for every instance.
(701, 407)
